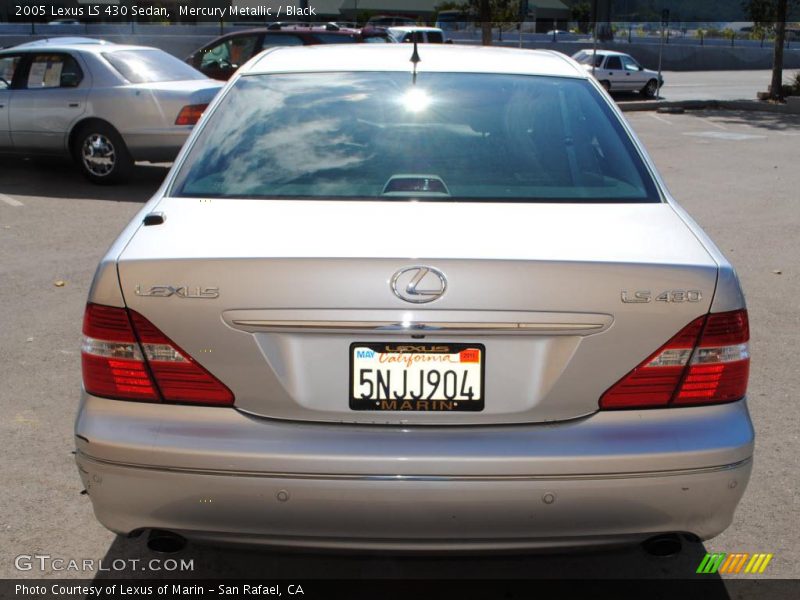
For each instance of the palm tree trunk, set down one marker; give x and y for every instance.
(776, 89)
(486, 23)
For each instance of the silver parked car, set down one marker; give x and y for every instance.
(445, 304)
(620, 72)
(107, 105)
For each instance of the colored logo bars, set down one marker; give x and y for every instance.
(742, 562)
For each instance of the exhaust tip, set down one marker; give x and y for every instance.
(165, 542)
(663, 546)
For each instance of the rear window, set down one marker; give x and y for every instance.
(150, 66)
(447, 136)
(8, 66)
(585, 58)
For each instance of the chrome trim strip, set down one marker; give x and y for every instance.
(341, 476)
(416, 326)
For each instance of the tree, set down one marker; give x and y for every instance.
(582, 14)
(766, 14)
(503, 12)
(761, 12)
(489, 13)
(776, 89)
(485, 15)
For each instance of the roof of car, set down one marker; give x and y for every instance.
(396, 57)
(75, 44)
(608, 53)
(286, 30)
(412, 28)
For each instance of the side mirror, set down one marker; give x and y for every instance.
(641, 68)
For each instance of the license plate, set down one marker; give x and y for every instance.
(416, 377)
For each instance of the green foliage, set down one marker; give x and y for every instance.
(449, 5)
(364, 15)
(582, 14)
(764, 13)
(683, 10)
(500, 11)
(795, 84)
(762, 31)
(761, 12)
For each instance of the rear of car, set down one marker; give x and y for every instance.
(161, 100)
(107, 105)
(453, 308)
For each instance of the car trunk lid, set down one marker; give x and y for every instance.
(271, 296)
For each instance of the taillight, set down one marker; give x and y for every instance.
(707, 362)
(190, 114)
(112, 361)
(125, 357)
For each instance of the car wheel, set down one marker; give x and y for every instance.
(606, 85)
(101, 154)
(651, 89)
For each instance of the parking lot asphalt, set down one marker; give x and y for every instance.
(736, 173)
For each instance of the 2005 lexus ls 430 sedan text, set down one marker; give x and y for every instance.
(408, 299)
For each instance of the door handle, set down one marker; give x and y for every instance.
(74, 105)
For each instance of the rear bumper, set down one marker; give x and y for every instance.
(156, 145)
(204, 475)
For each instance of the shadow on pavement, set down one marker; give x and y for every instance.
(772, 121)
(241, 563)
(622, 97)
(60, 178)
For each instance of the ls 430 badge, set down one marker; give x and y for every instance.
(181, 291)
(644, 296)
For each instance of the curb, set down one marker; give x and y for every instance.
(792, 107)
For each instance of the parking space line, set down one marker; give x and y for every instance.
(710, 122)
(657, 118)
(10, 201)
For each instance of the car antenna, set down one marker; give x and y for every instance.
(415, 58)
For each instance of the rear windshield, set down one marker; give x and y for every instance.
(150, 66)
(445, 136)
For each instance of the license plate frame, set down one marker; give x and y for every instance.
(422, 404)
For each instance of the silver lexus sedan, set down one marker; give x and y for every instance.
(433, 304)
(107, 105)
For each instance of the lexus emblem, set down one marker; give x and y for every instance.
(419, 284)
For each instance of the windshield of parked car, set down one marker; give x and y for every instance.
(150, 66)
(447, 136)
